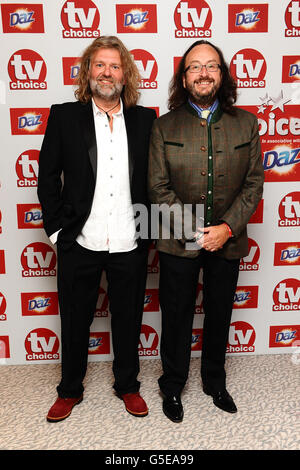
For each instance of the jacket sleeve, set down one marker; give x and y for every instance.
(245, 203)
(50, 171)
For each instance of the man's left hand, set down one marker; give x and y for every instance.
(214, 237)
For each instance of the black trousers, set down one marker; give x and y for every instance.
(177, 291)
(79, 275)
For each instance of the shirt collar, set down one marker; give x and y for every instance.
(211, 108)
(97, 111)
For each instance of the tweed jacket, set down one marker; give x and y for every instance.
(178, 167)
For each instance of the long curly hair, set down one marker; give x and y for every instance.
(227, 93)
(130, 93)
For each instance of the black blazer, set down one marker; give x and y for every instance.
(68, 165)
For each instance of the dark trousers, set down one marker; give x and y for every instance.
(177, 290)
(79, 275)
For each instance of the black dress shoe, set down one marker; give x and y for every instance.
(172, 407)
(222, 400)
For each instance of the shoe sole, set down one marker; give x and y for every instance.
(61, 418)
(138, 415)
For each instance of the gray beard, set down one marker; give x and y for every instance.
(106, 93)
(202, 100)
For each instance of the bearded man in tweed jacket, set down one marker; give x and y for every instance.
(215, 161)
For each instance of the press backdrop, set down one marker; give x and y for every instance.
(41, 42)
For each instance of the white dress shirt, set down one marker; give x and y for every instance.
(110, 225)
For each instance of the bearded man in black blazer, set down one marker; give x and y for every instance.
(92, 171)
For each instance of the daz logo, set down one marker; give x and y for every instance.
(29, 216)
(26, 121)
(99, 343)
(283, 336)
(147, 66)
(27, 71)
(246, 297)
(290, 69)
(136, 18)
(197, 338)
(286, 295)
(251, 18)
(151, 302)
(192, 19)
(289, 210)
(27, 168)
(2, 307)
(80, 19)
(287, 254)
(22, 18)
(249, 67)
(41, 344)
(71, 67)
(39, 303)
(38, 259)
(241, 338)
(292, 19)
(148, 345)
(250, 262)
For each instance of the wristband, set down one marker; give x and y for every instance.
(229, 230)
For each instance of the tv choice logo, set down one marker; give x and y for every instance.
(151, 300)
(250, 18)
(28, 121)
(292, 19)
(290, 69)
(250, 262)
(197, 339)
(71, 67)
(284, 336)
(102, 306)
(287, 254)
(241, 338)
(27, 168)
(136, 18)
(38, 259)
(3, 305)
(246, 297)
(286, 295)
(257, 217)
(80, 19)
(289, 210)
(4, 347)
(22, 18)
(41, 344)
(2, 262)
(29, 216)
(39, 303)
(148, 344)
(99, 343)
(153, 260)
(27, 71)
(248, 67)
(192, 19)
(147, 66)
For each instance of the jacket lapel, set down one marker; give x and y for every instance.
(130, 123)
(88, 129)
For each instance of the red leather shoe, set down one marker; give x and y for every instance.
(135, 404)
(62, 408)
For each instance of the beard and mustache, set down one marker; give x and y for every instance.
(199, 97)
(105, 91)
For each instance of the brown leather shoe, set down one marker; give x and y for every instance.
(135, 404)
(62, 408)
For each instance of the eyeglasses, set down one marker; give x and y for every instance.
(196, 68)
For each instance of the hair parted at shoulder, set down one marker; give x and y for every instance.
(130, 93)
(227, 93)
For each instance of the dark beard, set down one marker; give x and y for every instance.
(202, 100)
